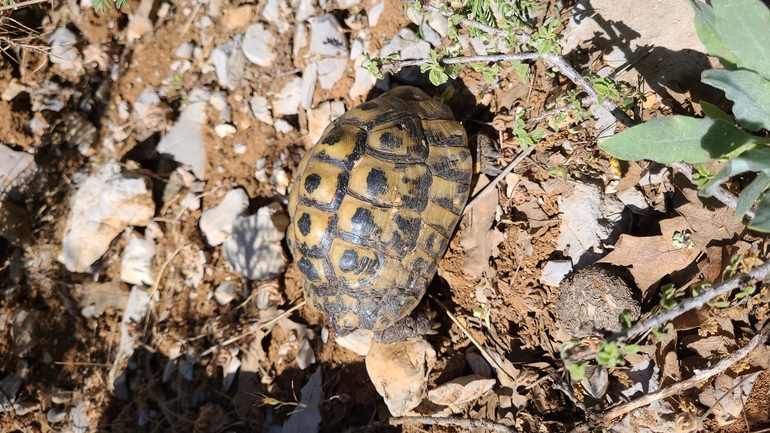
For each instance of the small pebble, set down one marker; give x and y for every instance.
(239, 148)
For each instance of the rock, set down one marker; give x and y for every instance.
(139, 22)
(10, 386)
(218, 100)
(283, 126)
(104, 205)
(136, 265)
(364, 82)
(185, 140)
(195, 271)
(331, 70)
(217, 223)
(225, 293)
(430, 35)
(305, 9)
(375, 12)
(225, 130)
(330, 44)
(320, 117)
(659, 33)
(238, 17)
(16, 168)
(229, 63)
(590, 220)
(358, 341)
(63, 53)
(399, 372)
(461, 390)
(327, 37)
(254, 248)
(408, 44)
(279, 178)
(185, 51)
(309, 78)
(288, 100)
(258, 45)
(555, 271)
(137, 307)
(347, 4)
(239, 148)
(272, 13)
(259, 109)
(300, 39)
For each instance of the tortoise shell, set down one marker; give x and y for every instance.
(373, 207)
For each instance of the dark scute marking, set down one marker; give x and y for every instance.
(307, 269)
(446, 203)
(312, 182)
(363, 223)
(342, 189)
(419, 265)
(408, 226)
(349, 261)
(376, 182)
(420, 186)
(360, 149)
(389, 141)
(303, 224)
(367, 106)
(332, 139)
(435, 139)
(429, 242)
(463, 188)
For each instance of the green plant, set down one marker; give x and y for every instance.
(734, 31)
(99, 5)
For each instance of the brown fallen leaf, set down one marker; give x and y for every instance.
(479, 238)
(652, 257)
(710, 225)
(103, 295)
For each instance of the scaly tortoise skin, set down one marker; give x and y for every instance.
(373, 207)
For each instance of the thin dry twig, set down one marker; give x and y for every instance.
(758, 273)
(498, 178)
(265, 325)
(468, 424)
(22, 4)
(692, 382)
(398, 64)
(484, 352)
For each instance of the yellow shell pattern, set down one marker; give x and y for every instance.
(373, 206)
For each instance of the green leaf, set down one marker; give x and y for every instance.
(751, 193)
(705, 27)
(743, 25)
(577, 370)
(631, 349)
(714, 112)
(750, 160)
(761, 220)
(437, 76)
(677, 138)
(749, 92)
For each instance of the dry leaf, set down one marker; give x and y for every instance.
(709, 225)
(652, 257)
(461, 390)
(479, 237)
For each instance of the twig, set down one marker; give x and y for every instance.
(488, 356)
(398, 64)
(468, 424)
(554, 60)
(758, 273)
(692, 382)
(720, 193)
(265, 325)
(22, 4)
(499, 177)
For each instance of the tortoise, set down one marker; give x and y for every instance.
(373, 206)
